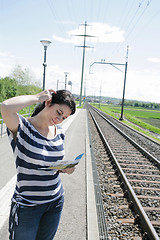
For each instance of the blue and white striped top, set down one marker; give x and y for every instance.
(32, 152)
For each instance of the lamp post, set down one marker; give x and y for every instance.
(57, 84)
(66, 73)
(60, 82)
(45, 44)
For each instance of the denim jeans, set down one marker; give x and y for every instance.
(38, 222)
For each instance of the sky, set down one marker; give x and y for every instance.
(113, 24)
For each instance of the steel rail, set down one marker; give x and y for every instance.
(130, 128)
(141, 149)
(146, 224)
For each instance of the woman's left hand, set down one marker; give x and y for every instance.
(68, 170)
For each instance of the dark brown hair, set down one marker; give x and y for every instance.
(60, 97)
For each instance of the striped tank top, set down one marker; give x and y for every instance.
(33, 153)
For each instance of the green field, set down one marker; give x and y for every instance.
(144, 120)
(152, 121)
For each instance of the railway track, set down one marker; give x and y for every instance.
(129, 180)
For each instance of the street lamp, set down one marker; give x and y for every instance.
(45, 44)
(66, 73)
(70, 83)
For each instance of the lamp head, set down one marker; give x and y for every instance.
(45, 43)
(66, 73)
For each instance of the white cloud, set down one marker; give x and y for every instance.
(73, 39)
(143, 85)
(5, 54)
(101, 32)
(154, 60)
(7, 60)
(106, 33)
(140, 85)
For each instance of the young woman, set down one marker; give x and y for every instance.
(37, 142)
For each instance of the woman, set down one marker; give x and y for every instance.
(37, 142)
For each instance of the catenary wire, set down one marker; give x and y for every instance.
(55, 16)
(121, 45)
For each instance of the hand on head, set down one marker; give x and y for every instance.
(45, 95)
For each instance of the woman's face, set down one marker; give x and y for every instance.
(57, 113)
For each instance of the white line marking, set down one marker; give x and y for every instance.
(5, 199)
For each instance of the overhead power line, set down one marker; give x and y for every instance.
(148, 3)
(55, 15)
(140, 4)
(133, 23)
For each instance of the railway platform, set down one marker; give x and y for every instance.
(79, 217)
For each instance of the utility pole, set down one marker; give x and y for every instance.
(84, 47)
(125, 75)
(84, 91)
(100, 95)
(121, 118)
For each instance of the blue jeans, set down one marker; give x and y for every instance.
(36, 223)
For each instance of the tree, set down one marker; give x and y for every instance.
(23, 76)
(8, 88)
(20, 82)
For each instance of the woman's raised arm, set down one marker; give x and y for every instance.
(10, 107)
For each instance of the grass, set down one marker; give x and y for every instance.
(82, 104)
(139, 112)
(143, 120)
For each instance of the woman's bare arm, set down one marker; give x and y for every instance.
(12, 106)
